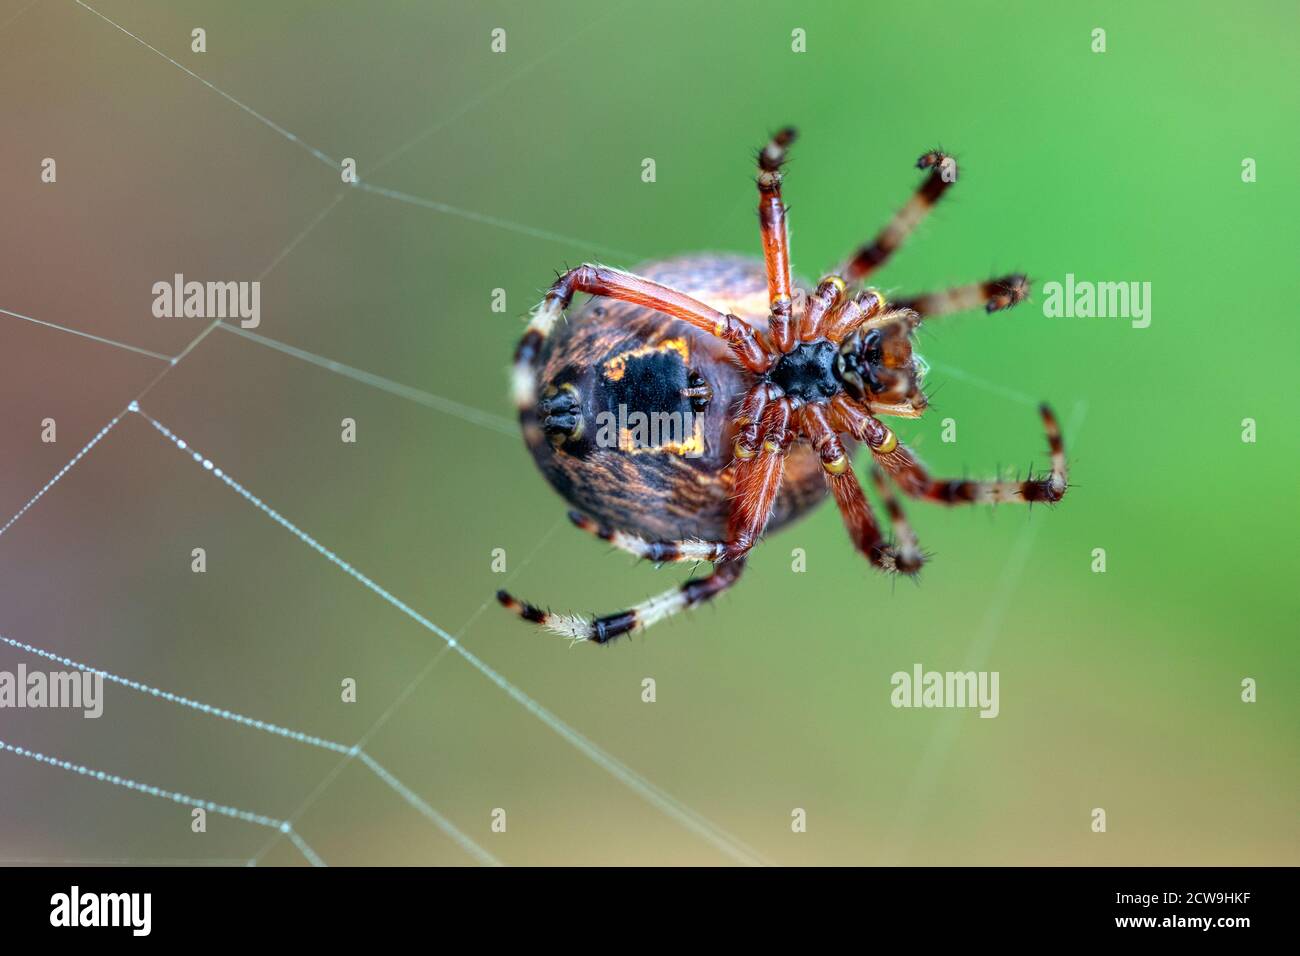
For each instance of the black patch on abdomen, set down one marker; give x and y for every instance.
(650, 383)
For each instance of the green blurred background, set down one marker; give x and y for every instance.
(1118, 690)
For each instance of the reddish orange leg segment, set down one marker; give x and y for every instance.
(854, 508)
(757, 473)
(859, 310)
(776, 240)
(849, 416)
(826, 302)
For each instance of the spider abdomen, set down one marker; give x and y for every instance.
(655, 400)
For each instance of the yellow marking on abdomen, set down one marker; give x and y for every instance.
(616, 367)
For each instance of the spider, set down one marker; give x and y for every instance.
(775, 411)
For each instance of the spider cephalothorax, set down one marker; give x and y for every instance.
(766, 392)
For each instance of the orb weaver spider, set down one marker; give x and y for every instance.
(783, 384)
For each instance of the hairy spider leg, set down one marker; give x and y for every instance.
(601, 630)
(868, 258)
(827, 302)
(911, 476)
(757, 469)
(660, 552)
(776, 240)
(859, 521)
(992, 295)
(863, 307)
(906, 542)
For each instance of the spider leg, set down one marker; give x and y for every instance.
(616, 284)
(840, 322)
(858, 418)
(912, 477)
(854, 508)
(604, 629)
(660, 552)
(868, 258)
(993, 295)
(776, 240)
(907, 544)
(757, 471)
(827, 303)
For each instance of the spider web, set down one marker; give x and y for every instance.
(283, 827)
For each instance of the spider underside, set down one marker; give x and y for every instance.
(820, 378)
